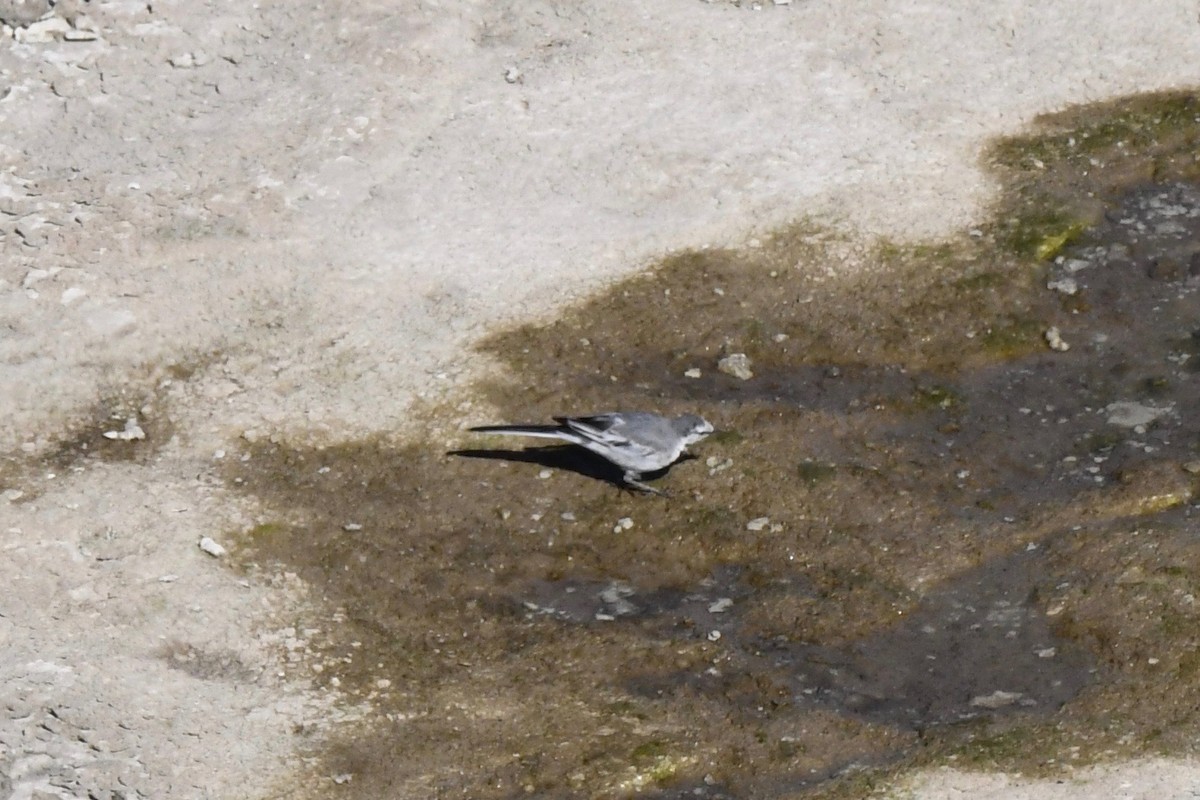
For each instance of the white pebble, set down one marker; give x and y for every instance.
(758, 523)
(208, 545)
(544, 474)
(720, 605)
(1055, 341)
(131, 432)
(737, 365)
(351, 527)
(1064, 286)
(623, 524)
(71, 294)
(692, 373)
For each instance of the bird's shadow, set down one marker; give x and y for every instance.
(570, 458)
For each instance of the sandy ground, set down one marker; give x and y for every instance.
(233, 220)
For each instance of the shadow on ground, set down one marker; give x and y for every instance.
(953, 515)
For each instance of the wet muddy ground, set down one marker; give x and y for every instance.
(952, 516)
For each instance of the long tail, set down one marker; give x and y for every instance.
(543, 431)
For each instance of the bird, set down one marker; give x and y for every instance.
(636, 441)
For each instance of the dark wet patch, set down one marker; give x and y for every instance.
(926, 530)
(209, 665)
(120, 428)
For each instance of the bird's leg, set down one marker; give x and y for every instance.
(631, 479)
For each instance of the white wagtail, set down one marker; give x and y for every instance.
(636, 441)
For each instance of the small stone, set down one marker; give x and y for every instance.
(780, 337)
(544, 474)
(623, 524)
(112, 322)
(996, 699)
(737, 365)
(716, 464)
(20, 13)
(1047, 652)
(714, 636)
(692, 373)
(1192, 467)
(131, 432)
(352, 527)
(758, 523)
(1064, 286)
(71, 294)
(35, 276)
(1055, 341)
(188, 60)
(208, 545)
(1074, 265)
(720, 606)
(512, 75)
(43, 31)
(168, 578)
(342, 777)
(1129, 414)
(567, 516)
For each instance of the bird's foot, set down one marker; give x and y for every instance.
(631, 480)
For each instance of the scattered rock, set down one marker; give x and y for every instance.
(71, 294)
(692, 373)
(1055, 341)
(758, 523)
(43, 31)
(35, 276)
(623, 524)
(352, 527)
(1130, 414)
(997, 699)
(131, 432)
(208, 545)
(737, 365)
(1064, 286)
(22, 13)
(512, 75)
(188, 60)
(720, 606)
(716, 464)
(112, 322)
